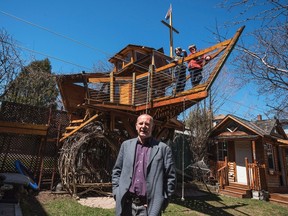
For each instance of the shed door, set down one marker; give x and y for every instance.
(242, 150)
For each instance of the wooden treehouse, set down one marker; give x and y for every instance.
(103, 108)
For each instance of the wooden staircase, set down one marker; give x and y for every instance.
(279, 198)
(279, 194)
(235, 189)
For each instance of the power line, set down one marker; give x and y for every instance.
(236, 102)
(55, 33)
(80, 66)
(242, 115)
(61, 35)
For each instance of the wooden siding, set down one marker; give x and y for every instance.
(125, 93)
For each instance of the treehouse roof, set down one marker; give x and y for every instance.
(136, 59)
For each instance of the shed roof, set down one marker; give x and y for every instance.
(259, 127)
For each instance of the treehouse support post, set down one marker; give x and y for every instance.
(112, 87)
(133, 88)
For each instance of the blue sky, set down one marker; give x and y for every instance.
(74, 35)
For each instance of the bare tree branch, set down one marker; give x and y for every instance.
(263, 57)
(10, 62)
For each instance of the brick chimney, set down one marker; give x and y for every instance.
(259, 117)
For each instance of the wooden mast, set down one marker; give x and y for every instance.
(171, 29)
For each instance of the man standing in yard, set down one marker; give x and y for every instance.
(143, 177)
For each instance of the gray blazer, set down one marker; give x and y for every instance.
(160, 179)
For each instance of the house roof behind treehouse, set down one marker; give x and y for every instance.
(260, 127)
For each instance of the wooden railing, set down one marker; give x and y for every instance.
(157, 83)
(222, 174)
(255, 177)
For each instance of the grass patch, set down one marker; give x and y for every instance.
(211, 204)
(69, 207)
(58, 205)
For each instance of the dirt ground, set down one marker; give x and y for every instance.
(45, 196)
(99, 202)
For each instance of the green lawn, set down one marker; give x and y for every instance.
(209, 204)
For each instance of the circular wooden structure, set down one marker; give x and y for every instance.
(81, 163)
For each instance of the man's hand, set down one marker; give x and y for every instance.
(208, 58)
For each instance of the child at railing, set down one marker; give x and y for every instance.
(180, 69)
(195, 66)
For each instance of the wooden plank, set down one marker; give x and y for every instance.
(23, 125)
(97, 80)
(125, 93)
(180, 99)
(23, 131)
(71, 127)
(77, 121)
(94, 104)
(23, 128)
(123, 78)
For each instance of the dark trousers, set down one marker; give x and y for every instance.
(132, 209)
(196, 76)
(180, 75)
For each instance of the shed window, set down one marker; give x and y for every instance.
(270, 156)
(222, 150)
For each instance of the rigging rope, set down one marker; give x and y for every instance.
(183, 152)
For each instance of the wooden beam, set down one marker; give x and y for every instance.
(96, 104)
(197, 96)
(23, 128)
(254, 159)
(96, 80)
(123, 78)
(169, 26)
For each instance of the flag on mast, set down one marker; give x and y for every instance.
(169, 12)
